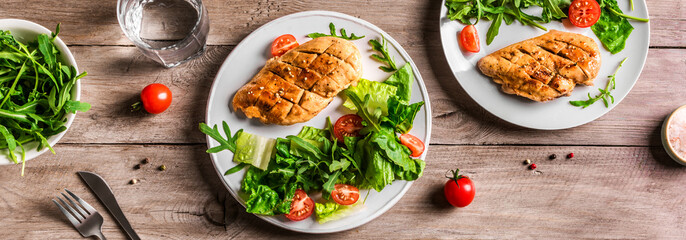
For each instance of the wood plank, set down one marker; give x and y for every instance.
(119, 73)
(603, 192)
(95, 22)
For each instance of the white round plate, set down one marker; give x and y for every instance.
(250, 56)
(26, 31)
(558, 113)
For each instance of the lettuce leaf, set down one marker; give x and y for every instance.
(402, 79)
(401, 116)
(317, 137)
(330, 211)
(253, 149)
(378, 92)
(612, 30)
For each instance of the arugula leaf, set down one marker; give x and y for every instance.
(9, 141)
(47, 50)
(385, 56)
(604, 93)
(494, 29)
(236, 168)
(332, 28)
(224, 144)
(73, 106)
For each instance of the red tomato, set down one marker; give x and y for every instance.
(282, 44)
(156, 98)
(413, 143)
(469, 39)
(459, 190)
(584, 13)
(347, 126)
(301, 207)
(345, 194)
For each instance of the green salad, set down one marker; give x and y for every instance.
(35, 93)
(612, 28)
(314, 160)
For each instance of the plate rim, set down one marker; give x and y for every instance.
(443, 14)
(399, 49)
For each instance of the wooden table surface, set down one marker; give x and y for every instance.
(620, 184)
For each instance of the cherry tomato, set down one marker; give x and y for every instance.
(413, 143)
(301, 207)
(282, 44)
(459, 190)
(156, 98)
(347, 126)
(469, 39)
(345, 194)
(584, 13)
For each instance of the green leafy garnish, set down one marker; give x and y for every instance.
(379, 94)
(332, 28)
(228, 143)
(505, 10)
(612, 28)
(402, 79)
(604, 93)
(385, 57)
(380, 154)
(35, 92)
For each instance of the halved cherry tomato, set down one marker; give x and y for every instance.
(156, 98)
(282, 44)
(413, 143)
(347, 126)
(584, 13)
(345, 194)
(469, 39)
(301, 207)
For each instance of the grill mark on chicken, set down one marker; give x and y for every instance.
(586, 57)
(545, 67)
(324, 53)
(540, 71)
(554, 53)
(568, 63)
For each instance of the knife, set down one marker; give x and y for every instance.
(106, 197)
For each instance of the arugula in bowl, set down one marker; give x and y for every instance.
(35, 93)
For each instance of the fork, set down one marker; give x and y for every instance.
(87, 221)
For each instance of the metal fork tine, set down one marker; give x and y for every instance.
(82, 202)
(76, 206)
(74, 213)
(66, 213)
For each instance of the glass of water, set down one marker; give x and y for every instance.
(170, 32)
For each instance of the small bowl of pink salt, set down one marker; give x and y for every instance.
(674, 135)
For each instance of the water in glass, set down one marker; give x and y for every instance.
(170, 32)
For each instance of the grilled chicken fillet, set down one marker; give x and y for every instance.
(545, 67)
(295, 87)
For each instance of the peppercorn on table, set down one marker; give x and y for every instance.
(620, 182)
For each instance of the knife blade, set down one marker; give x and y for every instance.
(104, 193)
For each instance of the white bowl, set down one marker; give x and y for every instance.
(26, 31)
(665, 136)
